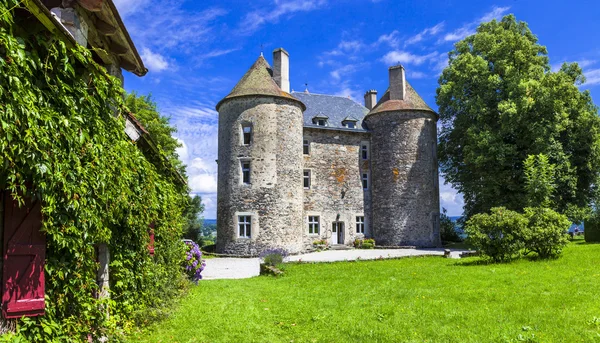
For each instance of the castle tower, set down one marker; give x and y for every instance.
(260, 190)
(405, 188)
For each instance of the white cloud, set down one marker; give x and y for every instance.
(390, 39)
(255, 20)
(127, 7)
(430, 31)
(344, 70)
(469, 28)
(155, 62)
(450, 199)
(416, 75)
(217, 53)
(397, 56)
(592, 77)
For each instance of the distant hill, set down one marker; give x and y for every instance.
(210, 221)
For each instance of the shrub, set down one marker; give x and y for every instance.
(193, 263)
(495, 235)
(320, 242)
(273, 257)
(545, 233)
(368, 243)
(591, 230)
(448, 231)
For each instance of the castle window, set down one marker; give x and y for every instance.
(360, 224)
(320, 119)
(364, 151)
(306, 179)
(246, 172)
(350, 125)
(306, 147)
(321, 122)
(246, 134)
(365, 180)
(313, 225)
(244, 226)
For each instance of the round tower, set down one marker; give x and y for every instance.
(405, 188)
(260, 190)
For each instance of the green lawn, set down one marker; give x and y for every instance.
(408, 300)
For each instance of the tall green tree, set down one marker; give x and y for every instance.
(193, 214)
(146, 111)
(499, 102)
(539, 180)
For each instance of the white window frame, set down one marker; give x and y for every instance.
(251, 133)
(365, 178)
(244, 220)
(314, 222)
(306, 147)
(249, 170)
(360, 224)
(306, 177)
(364, 151)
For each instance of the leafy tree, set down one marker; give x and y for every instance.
(539, 180)
(192, 213)
(499, 103)
(146, 111)
(448, 231)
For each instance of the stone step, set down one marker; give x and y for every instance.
(340, 247)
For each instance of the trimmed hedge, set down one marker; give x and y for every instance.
(592, 231)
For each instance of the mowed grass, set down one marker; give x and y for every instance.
(428, 299)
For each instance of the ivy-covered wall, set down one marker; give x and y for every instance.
(60, 142)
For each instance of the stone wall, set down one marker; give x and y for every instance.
(274, 197)
(336, 193)
(405, 178)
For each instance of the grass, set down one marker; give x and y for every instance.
(427, 299)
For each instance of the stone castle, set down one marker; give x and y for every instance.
(294, 168)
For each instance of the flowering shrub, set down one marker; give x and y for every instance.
(193, 263)
(368, 243)
(273, 257)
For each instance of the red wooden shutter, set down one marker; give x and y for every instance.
(24, 256)
(151, 244)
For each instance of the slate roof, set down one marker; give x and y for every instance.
(412, 101)
(258, 81)
(337, 108)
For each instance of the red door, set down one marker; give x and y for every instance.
(24, 256)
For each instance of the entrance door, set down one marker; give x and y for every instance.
(337, 233)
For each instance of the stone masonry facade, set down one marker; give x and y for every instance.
(296, 167)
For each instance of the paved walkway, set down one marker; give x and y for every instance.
(242, 268)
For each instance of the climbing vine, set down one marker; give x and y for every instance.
(62, 140)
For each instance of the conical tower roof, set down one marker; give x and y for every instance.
(258, 81)
(412, 101)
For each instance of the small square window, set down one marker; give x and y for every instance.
(321, 122)
(245, 226)
(246, 134)
(306, 179)
(360, 224)
(350, 125)
(306, 147)
(246, 172)
(313, 225)
(365, 180)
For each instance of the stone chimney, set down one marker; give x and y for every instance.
(281, 69)
(370, 99)
(397, 83)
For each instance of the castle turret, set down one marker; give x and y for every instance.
(260, 189)
(405, 188)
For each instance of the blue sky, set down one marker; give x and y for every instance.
(196, 51)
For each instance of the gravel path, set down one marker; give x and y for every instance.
(242, 268)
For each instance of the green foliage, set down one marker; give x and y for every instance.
(60, 135)
(368, 243)
(496, 235)
(592, 230)
(448, 231)
(146, 111)
(539, 180)
(545, 233)
(499, 103)
(192, 213)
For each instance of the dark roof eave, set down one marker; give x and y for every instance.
(290, 98)
(330, 128)
(141, 70)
